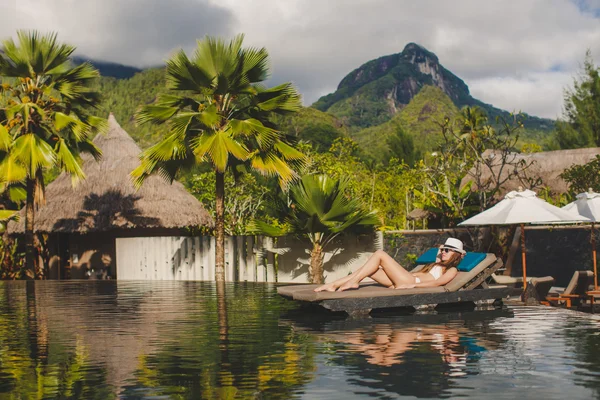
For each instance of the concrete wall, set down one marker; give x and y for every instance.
(247, 258)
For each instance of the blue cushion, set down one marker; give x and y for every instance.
(468, 263)
(428, 257)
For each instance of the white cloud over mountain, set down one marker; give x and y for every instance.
(512, 54)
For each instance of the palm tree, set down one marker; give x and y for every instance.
(219, 115)
(319, 207)
(44, 120)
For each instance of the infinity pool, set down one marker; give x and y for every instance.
(163, 340)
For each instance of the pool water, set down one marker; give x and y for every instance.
(163, 340)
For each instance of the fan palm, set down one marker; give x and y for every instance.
(44, 120)
(219, 115)
(318, 206)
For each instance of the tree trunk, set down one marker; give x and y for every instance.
(220, 229)
(29, 215)
(316, 264)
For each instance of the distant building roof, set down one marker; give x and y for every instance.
(548, 165)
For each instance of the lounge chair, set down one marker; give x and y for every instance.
(537, 287)
(468, 286)
(574, 293)
(516, 281)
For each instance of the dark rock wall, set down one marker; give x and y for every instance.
(557, 252)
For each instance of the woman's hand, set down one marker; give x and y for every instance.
(405, 286)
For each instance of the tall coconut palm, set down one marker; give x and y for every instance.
(219, 115)
(44, 119)
(320, 208)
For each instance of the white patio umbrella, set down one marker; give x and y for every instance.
(588, 205)
(520, 208)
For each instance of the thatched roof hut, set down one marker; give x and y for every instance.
(107, 200)
(548, 165)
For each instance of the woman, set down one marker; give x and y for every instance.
(385, 270)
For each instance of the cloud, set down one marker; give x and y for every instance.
(133, 32)
(536, 95)
(315, 43)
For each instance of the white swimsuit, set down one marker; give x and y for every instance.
(436, 272)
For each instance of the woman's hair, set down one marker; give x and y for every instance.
(453, 262)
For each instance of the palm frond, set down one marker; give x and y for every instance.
(68, 162)
(263, 228)
(7, 215)
(17, 193)
(154, 114)
(5, 138)
(183, 74)
(11, 171)
(264, 135)
(256, 64)
(171, 147)
(280, 99)
(33, 153)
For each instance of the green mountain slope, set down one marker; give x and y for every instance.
(107, 69)
(123, 97)
(376, 91)
(420, 118)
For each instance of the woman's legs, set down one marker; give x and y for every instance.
(391, 273)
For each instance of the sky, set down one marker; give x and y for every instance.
(518, 55)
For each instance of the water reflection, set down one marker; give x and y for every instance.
(418, 355)
(135, 340)
(107, 339)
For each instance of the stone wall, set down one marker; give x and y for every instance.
(556, 251)
(406, 246)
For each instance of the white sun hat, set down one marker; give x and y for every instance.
(454, 244)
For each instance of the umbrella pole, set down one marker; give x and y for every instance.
(594, 258)
(523, 257)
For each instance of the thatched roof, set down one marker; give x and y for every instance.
(107, 199)
(548, 165)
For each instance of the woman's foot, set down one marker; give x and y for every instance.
(347, 286)
(329, 287)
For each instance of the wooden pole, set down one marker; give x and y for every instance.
(523, 258)
(594, 257)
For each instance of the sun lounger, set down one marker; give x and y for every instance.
(517, 281)
(467, 286)
(574, 293)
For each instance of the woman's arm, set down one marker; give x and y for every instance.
(441, 281)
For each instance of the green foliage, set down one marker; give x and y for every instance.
(529, 148)
(469, 168)
(321, 136)
(581, 178)
(45, 119)
(220, 114)
(580, 125)
(402, 147)
(421, 119)
(123, 97)
(389, 189)
(558, 199)
(245, 200)
(320, 208)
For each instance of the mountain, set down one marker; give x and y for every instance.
(124, 96)
(109, 69)
(377, 90)
(420, 118)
